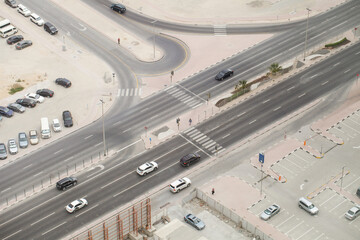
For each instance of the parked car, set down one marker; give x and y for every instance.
(180, 184)
(6, 112)
(308, 206)
(23, 10)
(26, 102)
(147, 168)
(14, 39)
(63, 82)
(3, 153)
(118, 8)
(45, 92)
(188, 159)
(23, 140)
(35, 97)
(50, 28)
(12, 146)
(353, 213)
(76, 205)
(194, 221)
(11, 3)
(16, 107)
(33, 136)
(36, 19)
(224, 74)
(270, 211)
(66, 183)
(68, 121)
(56, 125)
(23, 44)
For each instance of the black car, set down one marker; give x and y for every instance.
(185, 161)
(68, 121)
(23, 44)
(224, 74)
(6, 112)
(16, 107)
(45, 92)
(118, 8)
(26, 102)
(66, 183)
(50, 28)
(14, 39)
(11, 3)
(63, 82)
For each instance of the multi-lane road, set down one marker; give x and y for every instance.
(44, 215)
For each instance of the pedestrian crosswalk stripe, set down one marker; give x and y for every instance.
(198, 140)
(208, 143)
(213, 143)
(204, 140)
(129, 92)
(188, 100)
(184, 96)
(189, 130)
(198, 136)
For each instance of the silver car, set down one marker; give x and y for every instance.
(3, 153)
(12, 146)
(23, 140)
(353, 213)
(269, 212)
(194, 221)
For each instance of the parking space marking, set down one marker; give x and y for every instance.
(350, 119)
(294, 227)
(320, 236)
(351, 183)
(351, 127)
(285, 221)
(337, 205)
(287, 169)
(298, 156)
(305, 233)
(293, 163)
(327, 200)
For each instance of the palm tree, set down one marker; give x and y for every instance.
(275, 68)
(243, 84)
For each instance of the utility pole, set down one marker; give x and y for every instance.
(103, 123)
(306, 32)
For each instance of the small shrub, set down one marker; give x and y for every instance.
(338, 43)
(15, 88)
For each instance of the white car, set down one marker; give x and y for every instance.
(33, 137)
(56, 125)
(35, 97)
(76, 205)
(180, 184)
(12, 146)
(147, 168)
(23, 10)
(353, 213)
(270, 211)
(36, 19)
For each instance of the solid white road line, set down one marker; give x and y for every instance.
(42, 219)
(12, 234)
(52, 229)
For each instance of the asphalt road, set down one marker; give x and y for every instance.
(122, 183)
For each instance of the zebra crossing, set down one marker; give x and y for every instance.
(220, 30)
(186, 97)
(129, 92)
(203, 140)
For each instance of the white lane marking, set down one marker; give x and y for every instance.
(6, 189)
(88, 137)
(347, 70)
(337, 205)
(58, 151)
(195, 145)
(27, 166)
(82, 212)
(126, 130)
(294, 47)
(241, 114)
(318, 35)
(313, 76)
(52, 229)
(12, 234)
(285, 221)
(294, 227)
(305, 233)
(98, 144)
(197, 105)
(214, 128)
(129, 145)
(301, 95)
(290, 88)
(324, 83)
(69, 158)
(226, 135)
(252, 122)
(357, 53)
(276, 108)
(327, 200)
(145, 109)
(337, 25)
(266, 101)
(336, 64)
(154, 116)
(127, 92)
(42, 219)
(38, 174)
(118, 94)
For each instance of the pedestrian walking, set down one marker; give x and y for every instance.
(190, 121)
(213, 191)
(119, 41)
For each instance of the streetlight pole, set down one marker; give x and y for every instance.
(153, 22)
(102, 110)
(342, 176)
(306, 32)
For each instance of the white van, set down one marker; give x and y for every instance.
(45, 128)
(8, 31)
(4, 23)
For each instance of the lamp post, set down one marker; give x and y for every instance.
(102, 111)
(153, 22)
(342, 176)
(306, 32)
